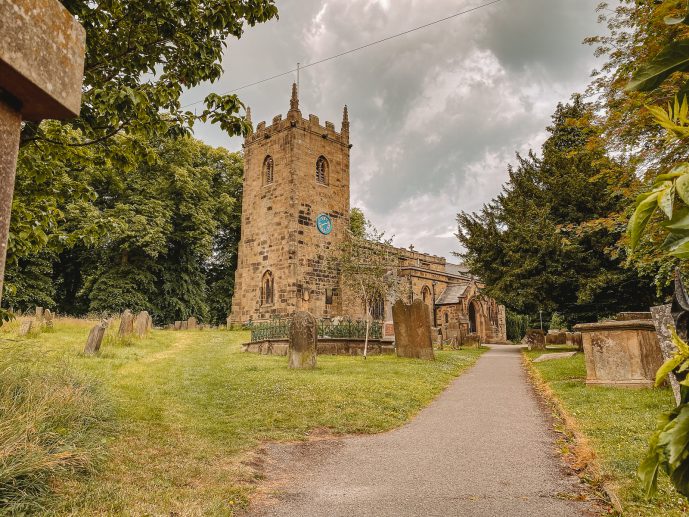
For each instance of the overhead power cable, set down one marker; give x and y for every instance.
(357, 49)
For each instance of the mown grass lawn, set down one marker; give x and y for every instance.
(188, 408)
(618, 423)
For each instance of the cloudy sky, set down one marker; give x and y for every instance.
(436, 115)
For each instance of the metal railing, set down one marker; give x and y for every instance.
(345, 329)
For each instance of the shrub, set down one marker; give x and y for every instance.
(516, 326)
(51, 424)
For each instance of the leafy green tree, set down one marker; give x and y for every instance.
(357, 222)
(549, 241)
(141, 56)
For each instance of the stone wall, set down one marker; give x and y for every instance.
(330, 346)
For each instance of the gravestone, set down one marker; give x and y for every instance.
(575, 339)
(126, 323)
(95, 338)
(192, 323)
(141, 324)
(41, 71)
(551, 357)
(662, 319)
(185, 325)
(48, 318)
(178, 325)
(26, 327)
(535, 339)
(303, 340)
(412, 330)
(39, 315)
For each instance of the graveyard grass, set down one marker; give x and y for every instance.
(189, 410)
(618, 423)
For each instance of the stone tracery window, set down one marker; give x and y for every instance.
(322, 170)
(267, 288)
(268, 169)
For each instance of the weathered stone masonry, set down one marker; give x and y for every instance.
(295, 169)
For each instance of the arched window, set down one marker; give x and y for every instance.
(267, 289)
(426, 295)
(447, 318)
(378, 309)
(268, 170)
(322, 170)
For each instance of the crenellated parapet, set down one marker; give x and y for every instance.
(294, 119)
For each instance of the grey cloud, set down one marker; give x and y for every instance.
(436, 115)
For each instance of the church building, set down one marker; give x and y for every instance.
(295, 215)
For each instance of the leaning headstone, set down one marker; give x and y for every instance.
(41, 71)
(192, 323)
(662, 319)
(551, 357)
(126, 323)
(303, 340)
(141, 324)
(412, 330)
(48, 318)
(26, 327)
(95, 338)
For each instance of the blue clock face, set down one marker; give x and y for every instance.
(324, 224)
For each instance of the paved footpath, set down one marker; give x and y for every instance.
(483, 448)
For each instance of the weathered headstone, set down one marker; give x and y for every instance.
(141, 324)
(662, 319)
(412, 330)
(126, 323)
(192, 323)
(303, 341)
(48, 318)
(26, 327)
(39, 315)
(95, 338)
(185, 325)
(178, 325)
(149, 323)
(575, 339)
(41, 72)
(535, 339)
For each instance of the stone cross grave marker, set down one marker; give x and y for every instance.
(41, 72)
(412, 330)
(303, 341)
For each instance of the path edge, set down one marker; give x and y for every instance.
(582, 460)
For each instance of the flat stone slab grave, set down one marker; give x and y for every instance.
(557, 355)
(483, 448)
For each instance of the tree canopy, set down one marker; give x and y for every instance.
(549, 241)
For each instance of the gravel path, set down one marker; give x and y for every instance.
(483, 448)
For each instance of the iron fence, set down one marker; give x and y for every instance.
(345, 329)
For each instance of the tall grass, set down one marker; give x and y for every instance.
(51, 424)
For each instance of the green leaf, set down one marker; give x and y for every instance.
(667, 368)
(673, 58)
(666, 201)
(679, 220)
(640, 217)
(650, 466)
(682, 187)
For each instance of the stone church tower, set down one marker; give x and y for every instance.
(295, 214)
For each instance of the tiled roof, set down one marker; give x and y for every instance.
(452, 294)
(456, 269)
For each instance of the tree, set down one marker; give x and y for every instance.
(368, 266)
(163, 235)
(357, 222)
(140, 57)
(636, 32)
(549, 241)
